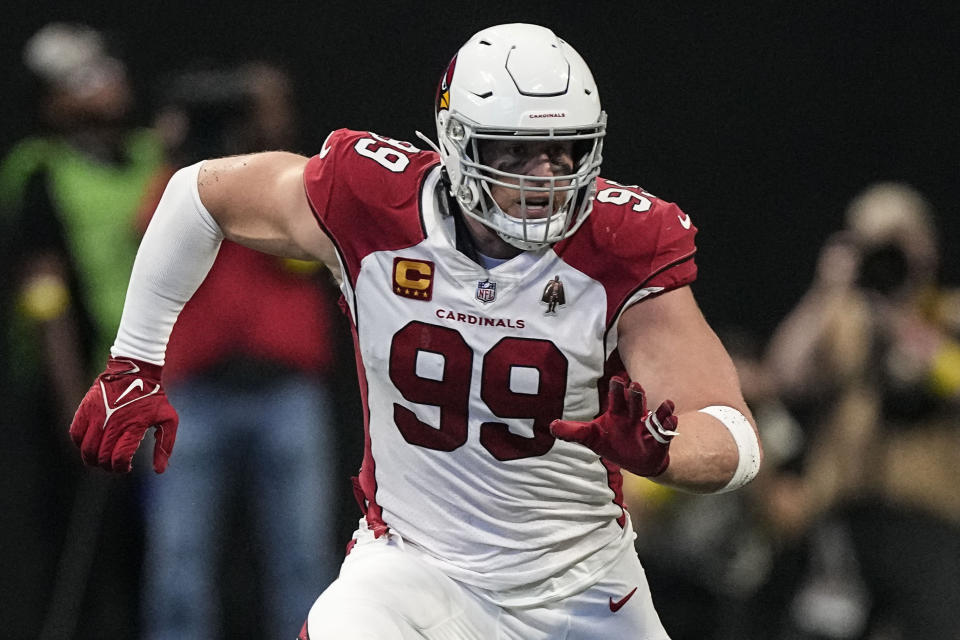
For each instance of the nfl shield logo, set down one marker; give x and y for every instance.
(486, 291)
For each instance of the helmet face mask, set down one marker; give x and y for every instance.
(520, 83)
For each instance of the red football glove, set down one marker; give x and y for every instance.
(626, 434)
(124, 401)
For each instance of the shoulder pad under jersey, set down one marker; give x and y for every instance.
(364, 189)
(632, 240)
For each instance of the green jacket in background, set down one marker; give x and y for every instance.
(55, 198)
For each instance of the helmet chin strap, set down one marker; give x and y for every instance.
(522, 245)
(536, 226)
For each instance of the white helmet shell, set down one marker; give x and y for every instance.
(518, 80)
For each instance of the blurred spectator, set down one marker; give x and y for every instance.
(69, 197)
(868, 513)
(247, 367)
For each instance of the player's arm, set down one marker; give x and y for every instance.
(700, 436)
(258, 201)
(668, 347)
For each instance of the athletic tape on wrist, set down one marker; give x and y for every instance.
(661, 435)
(748, 447)
(176, 253)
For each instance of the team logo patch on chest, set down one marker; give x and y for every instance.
(413, 278)
(486, 291)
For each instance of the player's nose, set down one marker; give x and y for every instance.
(540, 166)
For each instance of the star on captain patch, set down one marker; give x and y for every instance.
(486, 291)
(553, 295)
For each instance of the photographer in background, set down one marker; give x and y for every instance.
(241, 529)
(869, 361)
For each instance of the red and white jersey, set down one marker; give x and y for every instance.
(463, 368)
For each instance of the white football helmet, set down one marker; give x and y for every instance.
(520, 81)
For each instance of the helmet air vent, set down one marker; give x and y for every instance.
(538, 75)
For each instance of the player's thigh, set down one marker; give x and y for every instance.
(618, 606)
(386, 593)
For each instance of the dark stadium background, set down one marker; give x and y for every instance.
(761, 119)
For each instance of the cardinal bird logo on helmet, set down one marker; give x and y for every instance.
(443, 90)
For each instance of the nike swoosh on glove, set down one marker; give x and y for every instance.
(626, 433)
(124, 401)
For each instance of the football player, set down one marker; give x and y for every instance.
(497, 418)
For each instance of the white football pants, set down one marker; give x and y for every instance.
(387, 592)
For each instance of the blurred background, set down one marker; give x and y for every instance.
(766, 122)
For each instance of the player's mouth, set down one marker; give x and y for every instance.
(536, 207)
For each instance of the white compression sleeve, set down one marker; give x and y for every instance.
(174, 257)
(748, 447)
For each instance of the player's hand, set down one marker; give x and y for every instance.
(627, 433)
(124, 401)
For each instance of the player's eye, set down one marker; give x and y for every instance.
(514, 158)
(560, 161)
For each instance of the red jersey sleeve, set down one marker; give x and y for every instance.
(364, 189)
(631, 241)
